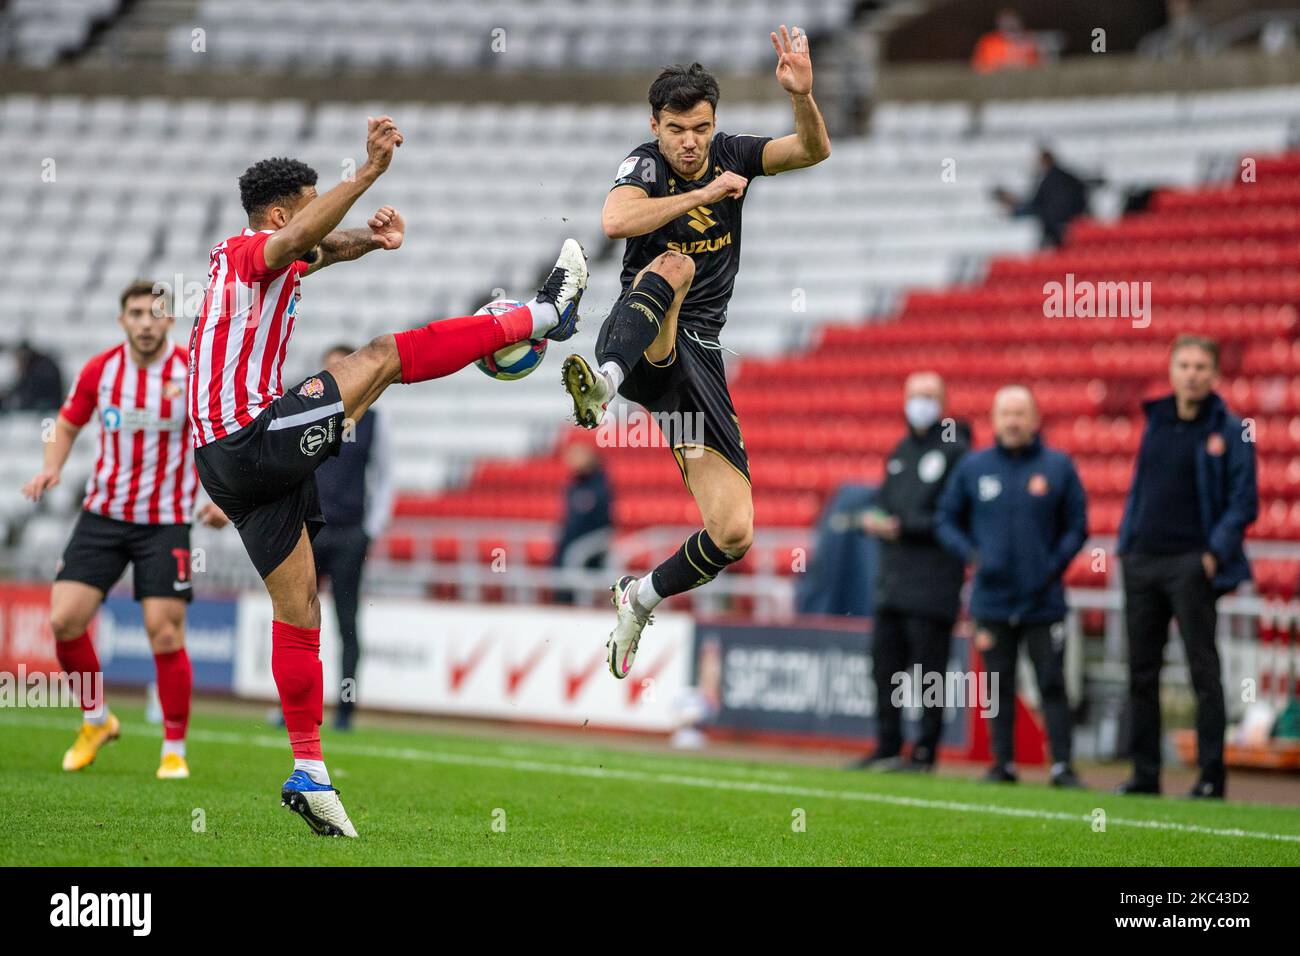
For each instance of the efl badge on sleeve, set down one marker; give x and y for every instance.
(312, 388)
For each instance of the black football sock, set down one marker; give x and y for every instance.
(697, 562)
(635, 322)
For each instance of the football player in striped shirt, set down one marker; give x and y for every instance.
(259, 444)
(137, 511)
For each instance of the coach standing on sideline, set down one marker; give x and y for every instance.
(918, 583)
(1017, 512)
(356, 495)
(1192, 498)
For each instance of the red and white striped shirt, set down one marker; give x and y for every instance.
(145, 470)
(239, 341)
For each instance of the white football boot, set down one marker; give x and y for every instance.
(623, 640)
(318, 804)
(563, 289)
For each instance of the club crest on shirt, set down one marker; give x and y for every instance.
(173, 390)
(1215, 445)
(312, 388)
(1038, 485)
(990, 486)
(931, 466)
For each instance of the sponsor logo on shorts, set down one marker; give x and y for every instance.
(312, 388)
(313, 440)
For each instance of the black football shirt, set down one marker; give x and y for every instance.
(709, 234)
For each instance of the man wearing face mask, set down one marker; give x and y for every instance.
(1017, 512)
(918, 583)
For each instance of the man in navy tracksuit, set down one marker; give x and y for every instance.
(1017, 512)
(1192, 498)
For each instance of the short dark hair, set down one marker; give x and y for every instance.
(679, 88)
(1203, 342)
(273, 180)
(138, 287)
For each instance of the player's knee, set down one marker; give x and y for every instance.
(382, 346)
(300, 610)
(166, 638)
(67, 625)
(675, 267)
(734, 535)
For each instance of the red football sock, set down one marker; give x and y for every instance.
(175, 684)
(78, 657)
(448, 345)
(295, 665)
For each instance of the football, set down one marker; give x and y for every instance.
(513, 361)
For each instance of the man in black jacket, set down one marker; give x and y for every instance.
(1193, 496)
(1059, 197)
(918, 583)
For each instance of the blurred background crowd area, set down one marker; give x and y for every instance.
(980, 150)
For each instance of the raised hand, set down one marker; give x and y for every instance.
(387, 227)
(382, 137)
(793, 64)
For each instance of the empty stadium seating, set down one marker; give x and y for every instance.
(854, 273)
(496, 34)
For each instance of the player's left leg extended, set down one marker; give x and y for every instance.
(164, 622)
(448, 345)
(726, 504)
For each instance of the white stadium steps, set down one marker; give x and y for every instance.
(125, 188)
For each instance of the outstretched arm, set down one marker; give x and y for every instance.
(809, 144)
(384, 230)
(319, 217)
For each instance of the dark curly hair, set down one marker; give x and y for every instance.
(679, 88)
(273, 180)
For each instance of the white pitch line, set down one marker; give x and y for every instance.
(706, 783)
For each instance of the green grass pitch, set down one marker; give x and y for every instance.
(437, 800)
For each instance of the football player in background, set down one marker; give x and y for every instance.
(137, 511)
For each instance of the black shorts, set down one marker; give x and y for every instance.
(689, 399)
(100, 549)
(264, 475)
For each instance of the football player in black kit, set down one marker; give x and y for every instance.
(677, 201)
